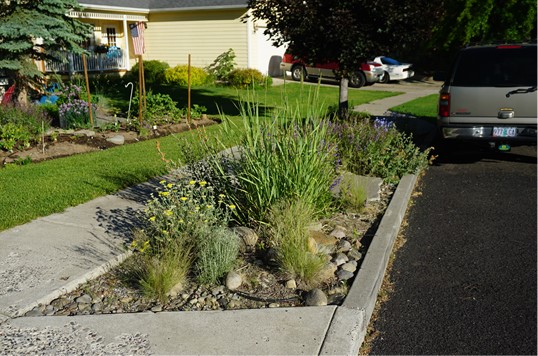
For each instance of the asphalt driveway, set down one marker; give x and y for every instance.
(465, 280)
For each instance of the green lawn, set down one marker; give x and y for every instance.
(225, 99)
(40, 189)
(425, 107)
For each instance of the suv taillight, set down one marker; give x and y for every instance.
(444, 105)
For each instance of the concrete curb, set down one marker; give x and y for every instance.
(349, 324)
(74, 284)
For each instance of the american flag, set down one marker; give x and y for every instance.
(137, 33)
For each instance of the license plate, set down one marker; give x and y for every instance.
(504, 132)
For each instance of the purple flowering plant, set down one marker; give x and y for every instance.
(73, 111)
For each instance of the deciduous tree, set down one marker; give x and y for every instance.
(345, 31)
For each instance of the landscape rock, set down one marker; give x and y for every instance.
(117, 140)
(233, 280)
(338, 232)
(315, 297)
(354, 255)
(247, 236)
(87, 133)
(343, 246)
(340, 259)
(321, 243)
(344, 275)
(350, 266)
(86, 299)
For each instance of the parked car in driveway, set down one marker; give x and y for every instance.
(490, 95)
(393, 69)
(368, 73)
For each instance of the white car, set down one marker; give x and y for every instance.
(394, 70)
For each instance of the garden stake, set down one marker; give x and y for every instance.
(87, 88)
(189, 92)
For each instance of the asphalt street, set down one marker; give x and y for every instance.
(465, 280)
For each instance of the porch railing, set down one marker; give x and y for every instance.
(96, 62)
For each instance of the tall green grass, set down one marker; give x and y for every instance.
(285, 157)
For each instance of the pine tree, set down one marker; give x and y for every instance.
(32, 30)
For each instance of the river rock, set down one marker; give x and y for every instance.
(344, 275)
(338, 232)
(315, 297)
(340, 259)
(247, 236)
(343, 246)
(233, 280)
(354, 255)
(117, 140)
(350, 266)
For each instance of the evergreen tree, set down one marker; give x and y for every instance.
(32, 30)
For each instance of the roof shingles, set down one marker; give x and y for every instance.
(164, 4)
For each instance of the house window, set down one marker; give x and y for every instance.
(111, 36)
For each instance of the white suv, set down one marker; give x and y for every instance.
(490, 95)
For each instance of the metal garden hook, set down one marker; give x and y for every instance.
(130, 98)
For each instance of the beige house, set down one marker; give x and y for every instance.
(174, 29)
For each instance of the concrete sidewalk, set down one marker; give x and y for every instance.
(52, 255)
(48, 256)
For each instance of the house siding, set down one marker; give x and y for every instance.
(172, 36)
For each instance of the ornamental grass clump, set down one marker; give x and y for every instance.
(284, 157)
(158, 273)
(288, 222)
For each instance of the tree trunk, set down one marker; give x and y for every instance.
(22, 95)
(343, 104)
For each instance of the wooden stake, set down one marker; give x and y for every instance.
(140, 95)
(87, 88)
(189, 91)
(144, 85)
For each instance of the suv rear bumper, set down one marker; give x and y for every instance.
(524, 133)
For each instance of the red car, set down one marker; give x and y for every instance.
(368, 73)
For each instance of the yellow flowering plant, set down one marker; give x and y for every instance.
(184, 209)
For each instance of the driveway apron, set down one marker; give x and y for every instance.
(465, 280)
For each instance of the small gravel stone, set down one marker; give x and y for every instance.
(291, 284)
(274, 305)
